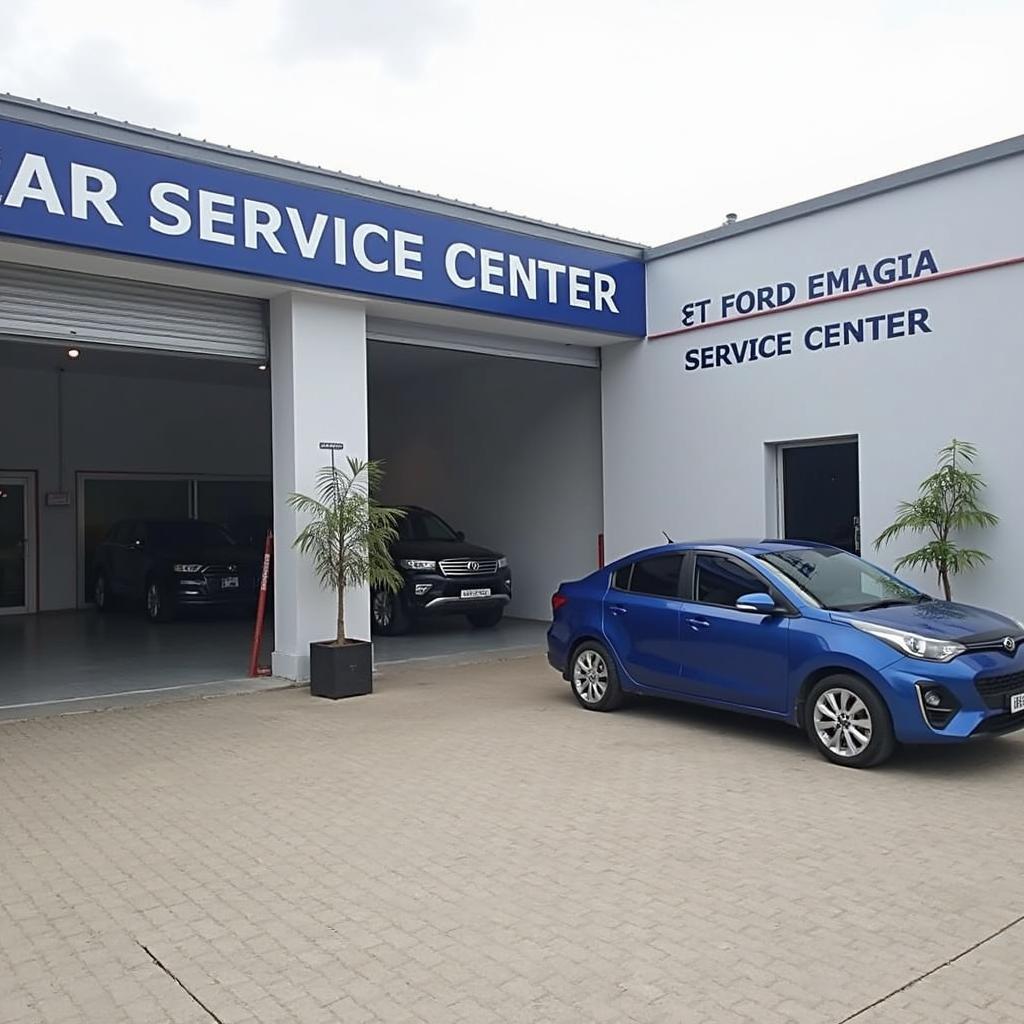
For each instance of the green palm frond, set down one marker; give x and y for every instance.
(949, 502)
(348, 533)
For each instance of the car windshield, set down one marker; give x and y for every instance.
(189, 535)
(418, 524)
(840, 581)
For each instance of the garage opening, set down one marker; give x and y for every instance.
(122, 404)
(498, 458)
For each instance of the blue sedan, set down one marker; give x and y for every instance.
(803, 632)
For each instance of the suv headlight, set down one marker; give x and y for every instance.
(502, 563)
(188, 567)
(923, 647)
(418, 564)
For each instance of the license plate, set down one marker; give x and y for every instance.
(486, 592)
(1016, 703)
(229, 583)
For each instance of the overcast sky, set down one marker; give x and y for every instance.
(647, 120)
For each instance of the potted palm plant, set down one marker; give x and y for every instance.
(347, 534)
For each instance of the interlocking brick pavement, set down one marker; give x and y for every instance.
(469, 846)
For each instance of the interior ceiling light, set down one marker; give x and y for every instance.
(73, 353)
(262, 366)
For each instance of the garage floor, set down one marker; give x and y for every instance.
(67, 661)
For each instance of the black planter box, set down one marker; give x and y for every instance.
(345, 671)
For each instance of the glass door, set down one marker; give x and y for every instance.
(17, 544)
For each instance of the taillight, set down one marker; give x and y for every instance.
(558, 600)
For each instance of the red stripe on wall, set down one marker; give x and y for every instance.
(941, 276)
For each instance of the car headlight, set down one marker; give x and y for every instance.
(502, 563)
(923, 647)
(188, 567)
(418, 564)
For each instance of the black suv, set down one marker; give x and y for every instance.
(165, 566)
(443, 575)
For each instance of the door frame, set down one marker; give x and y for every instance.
(27, 479)
(775, 477)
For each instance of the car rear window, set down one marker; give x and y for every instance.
(657, 576)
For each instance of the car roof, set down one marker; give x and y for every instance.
(747, 545)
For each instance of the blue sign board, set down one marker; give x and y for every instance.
(73, 190)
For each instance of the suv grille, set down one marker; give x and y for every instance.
(995, 689)
(469, 566)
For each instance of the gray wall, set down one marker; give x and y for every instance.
(121, 423)
(685, 451)
(507, 450)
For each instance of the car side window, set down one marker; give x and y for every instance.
(620, 581)
(121, 533)
(658, 576)
(723, 581)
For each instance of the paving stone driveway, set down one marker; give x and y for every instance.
(468, 846)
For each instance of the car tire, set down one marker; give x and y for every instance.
(388, 616)
(486, 619)
(862, 735)
(158, 607)
(594, 678)
(102, 595)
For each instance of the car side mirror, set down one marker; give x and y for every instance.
(459, 535)
(762, 604)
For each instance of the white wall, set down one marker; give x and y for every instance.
(121, 424)
(507, 450)
(684, 451)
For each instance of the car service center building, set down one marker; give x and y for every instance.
(552, 393)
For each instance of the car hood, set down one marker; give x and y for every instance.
(440, 549)
(943, 620)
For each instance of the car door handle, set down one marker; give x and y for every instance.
(698, 623)
(617, 609)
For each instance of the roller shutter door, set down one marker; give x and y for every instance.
(36, 302)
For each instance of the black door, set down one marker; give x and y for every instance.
(821, 494)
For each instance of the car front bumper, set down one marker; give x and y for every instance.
(428, 594)
(208, 590)
(975, 713)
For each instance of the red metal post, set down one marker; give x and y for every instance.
(261, 610)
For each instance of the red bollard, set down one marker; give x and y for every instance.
(261, 609)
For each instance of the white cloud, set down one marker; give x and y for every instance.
(96, 75)
(398, 33)
(648, 120)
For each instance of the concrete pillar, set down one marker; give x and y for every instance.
(318, 368)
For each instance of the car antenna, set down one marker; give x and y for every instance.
(667, 537)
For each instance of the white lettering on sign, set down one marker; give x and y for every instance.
(181, 219)
(99, 198)
(262, 221)
(502, 273)
(89, 193)
(33, 182)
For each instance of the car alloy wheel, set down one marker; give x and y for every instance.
(383, 612)
(153, 607)
(843, 722)
(590, 677)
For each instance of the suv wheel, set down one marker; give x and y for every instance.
(388, 616)
(848, 722)
(101, 593)
(486, 619)
(158, 608)
(595, 682)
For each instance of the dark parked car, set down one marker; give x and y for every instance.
(164, 566)
(443, 575)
